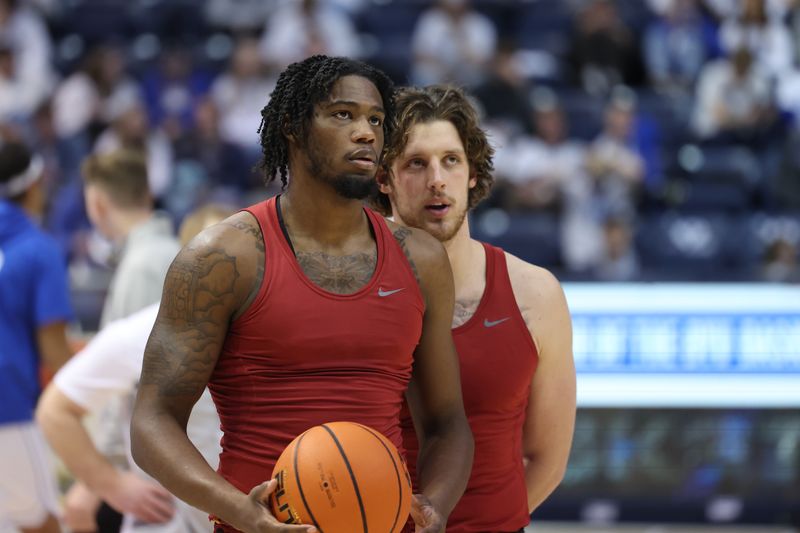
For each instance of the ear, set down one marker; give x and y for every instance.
(473, 180)
(384, 181)
(287, 131)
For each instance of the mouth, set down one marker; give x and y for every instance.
(363, 158)
(438, 208)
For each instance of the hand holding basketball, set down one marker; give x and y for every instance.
(426, 518)
(264, 521)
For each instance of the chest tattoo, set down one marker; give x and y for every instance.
(338, 274)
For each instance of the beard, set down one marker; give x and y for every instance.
(352, 186)
(442, 231)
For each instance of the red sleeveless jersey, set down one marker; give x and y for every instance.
(301, 356)
(498, 359)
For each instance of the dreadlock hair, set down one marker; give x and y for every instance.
(290, 108)
(415, 105)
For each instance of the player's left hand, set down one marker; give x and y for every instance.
(426, 518)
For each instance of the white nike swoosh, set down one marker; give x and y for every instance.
(382, 293)
(492, 323)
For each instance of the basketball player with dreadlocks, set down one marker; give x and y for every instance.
(282, 310)
(511, 325)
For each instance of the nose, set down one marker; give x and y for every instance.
(436, 177)
(363, 132)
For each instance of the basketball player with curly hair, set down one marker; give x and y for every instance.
(511, 325)
(304, 309)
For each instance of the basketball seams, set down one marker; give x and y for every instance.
(396, 473)
(352, 476)
(299, 483)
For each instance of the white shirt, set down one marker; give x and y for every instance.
(109, 368)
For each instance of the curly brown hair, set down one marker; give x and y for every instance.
(415, 105)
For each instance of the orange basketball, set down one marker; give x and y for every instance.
(342, 477)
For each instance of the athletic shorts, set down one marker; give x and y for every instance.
(27, 477)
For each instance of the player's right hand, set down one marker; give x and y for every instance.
(148, 501)
(263, 521)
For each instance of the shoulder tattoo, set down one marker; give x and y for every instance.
(401, 234)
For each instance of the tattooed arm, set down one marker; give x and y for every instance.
(434, 395)
(212, 280)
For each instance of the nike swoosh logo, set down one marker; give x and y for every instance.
(382, 293)
(492, 323)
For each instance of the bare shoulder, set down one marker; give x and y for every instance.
(227, 259)
(532, 284)
(540, 298)
(425, 253)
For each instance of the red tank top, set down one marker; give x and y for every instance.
(301, 356)
(498, 359)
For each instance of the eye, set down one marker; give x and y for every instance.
(416, 163)
(375, 121)
(344, 115)
(452, 160)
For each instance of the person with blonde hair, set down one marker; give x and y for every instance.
(108, 367)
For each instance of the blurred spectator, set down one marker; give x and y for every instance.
(733, 99)
(34, 311)
(545, 165)
(676, 46)
(85, 101)
(206, 165)
(240, 93)
(130, 129)
(613, 162)
(22, 89)
(108, 369)
(239, 16)
(619, 261)
(172, 88)
(452, 43)
(302, 28)
(27, 36)
(120, 207)
(767, 39)
(780, 262)
(504, 94)
(603, 52)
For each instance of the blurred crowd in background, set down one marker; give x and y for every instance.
(636, 140)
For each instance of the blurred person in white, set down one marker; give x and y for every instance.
(34, 312)
(613, 161)
(25, 35)
(86, 101)
(130, 129)
(733, 98)
(109, 367)
(120, 207)
(239, 94)
(766, 37)
(618, 260)
(676, 45)
(302, 28)
(780, 262)
(452, 43)
(22, 89)
(544, 165)
(607, 185)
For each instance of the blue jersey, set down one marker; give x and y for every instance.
(33, 293)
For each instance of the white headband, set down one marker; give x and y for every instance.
(22, 182)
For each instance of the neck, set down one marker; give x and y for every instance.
(125, 221)
(316, 211)
(464, 253)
